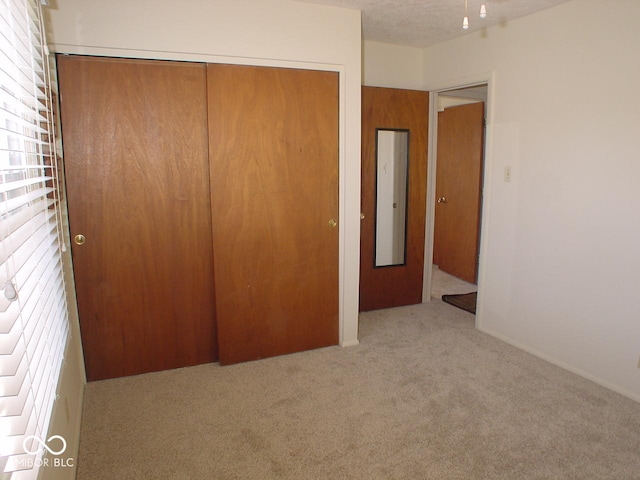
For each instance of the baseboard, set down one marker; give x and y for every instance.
(66, 418)
(603, 383)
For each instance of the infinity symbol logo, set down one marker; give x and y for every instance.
(40, 444)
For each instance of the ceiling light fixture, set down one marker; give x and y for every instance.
(465, 21)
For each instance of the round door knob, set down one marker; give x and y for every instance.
(442, 200)
(332, 223)
(79, 239)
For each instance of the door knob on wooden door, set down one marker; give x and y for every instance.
(333, 223)
(442, 200)
(79, 239)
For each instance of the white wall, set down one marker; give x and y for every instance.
(67, 413)
(560, 260)
(392, 66)
(67, 410)
(446, 102)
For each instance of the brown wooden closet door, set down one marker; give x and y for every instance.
(387, 108)
(273, 137)
(136, 160)
(458, 182)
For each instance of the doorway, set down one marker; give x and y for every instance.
(456, 172)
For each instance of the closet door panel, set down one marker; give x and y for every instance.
(273, 141)
(136, 161)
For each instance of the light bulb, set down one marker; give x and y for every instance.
(465, 23)
(483, 11)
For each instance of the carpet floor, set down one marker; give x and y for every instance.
(424, 396)
(443, 283)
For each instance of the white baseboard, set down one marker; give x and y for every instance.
(563, 365)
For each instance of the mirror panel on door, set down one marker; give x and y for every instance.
(392, 166)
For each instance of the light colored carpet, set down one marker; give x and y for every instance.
(443, 283)
(425, 396)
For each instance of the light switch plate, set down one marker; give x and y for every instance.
(507, 174)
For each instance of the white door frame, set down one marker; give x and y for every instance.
(481, 79)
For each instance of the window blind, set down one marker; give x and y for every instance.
(33, 310)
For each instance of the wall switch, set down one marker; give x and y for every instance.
(507, 174)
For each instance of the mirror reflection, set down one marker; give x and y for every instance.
(392, 165)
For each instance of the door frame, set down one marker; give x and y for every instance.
(441, 88)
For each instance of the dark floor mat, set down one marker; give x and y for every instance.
(465, 301)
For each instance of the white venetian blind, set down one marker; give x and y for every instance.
(33, 310)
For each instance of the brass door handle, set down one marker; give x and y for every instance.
(79, 239)
(333, 223)
(442, 200)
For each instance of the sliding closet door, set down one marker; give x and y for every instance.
(136, 161)
(273, 141)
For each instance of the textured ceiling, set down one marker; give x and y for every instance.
(420, 23)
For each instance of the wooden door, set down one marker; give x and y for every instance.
(273, 137)
(136, 161)
(458, 190)
(392, 286)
